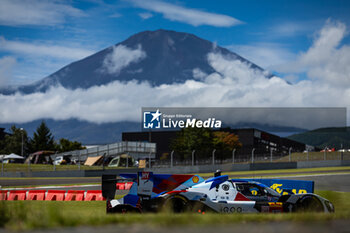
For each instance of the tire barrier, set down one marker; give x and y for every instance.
(17, 195)
(124, 186)
(51, 195)
(128, 185)
(74, 195)
(38, 195)
(57, 195)
(93, 195)
(3, 195)
(121, 186)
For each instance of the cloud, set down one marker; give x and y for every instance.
(198, 74)
(146, 15)
(326, 60)
(186, 15)
(36, 12)
(266, 55)
(290, 29)
(120, 57)
(233, 84)
(6, 69)
(40, 49)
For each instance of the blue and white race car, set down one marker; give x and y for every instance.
(182, 193)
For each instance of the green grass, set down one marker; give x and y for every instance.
(27, 215)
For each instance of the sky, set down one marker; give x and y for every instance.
(305, 43)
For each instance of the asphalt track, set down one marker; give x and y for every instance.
(330, 180)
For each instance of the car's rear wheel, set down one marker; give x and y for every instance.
(176, 204)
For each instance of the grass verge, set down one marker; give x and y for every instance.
(28, 215)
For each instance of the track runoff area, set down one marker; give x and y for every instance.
(328, 178)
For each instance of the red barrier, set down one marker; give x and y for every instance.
(38, 195)
(121, 186)
(75, 195)
(94, 195)
(128, 185)
(3, 195)
(55, 195)
(17, 195)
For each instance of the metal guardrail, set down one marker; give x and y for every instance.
(137, 150)
(173, 159)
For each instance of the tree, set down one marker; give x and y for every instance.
(66, 145)
(204, 141)
(224, 143)
(13, 142)
(189, 139)
(43, 139)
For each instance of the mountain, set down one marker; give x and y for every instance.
(335, 137)
(161, 57)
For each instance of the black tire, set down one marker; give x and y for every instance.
(176, 204)
(309, 204)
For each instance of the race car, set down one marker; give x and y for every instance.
(191, 193)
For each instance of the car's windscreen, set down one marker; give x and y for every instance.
(272, 192)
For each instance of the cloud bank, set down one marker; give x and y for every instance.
(233, 84)
(326, 61)
(186, 15)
